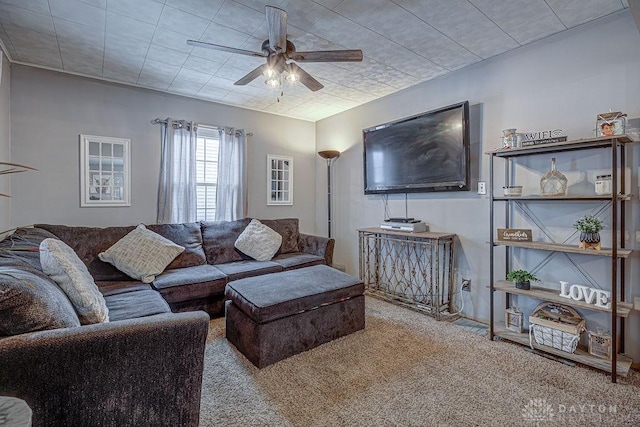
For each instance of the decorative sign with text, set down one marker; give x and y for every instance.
(514, 234)
(542, 137)
(597, 297)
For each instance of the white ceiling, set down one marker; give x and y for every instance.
(143, 42)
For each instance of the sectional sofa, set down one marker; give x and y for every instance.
(143, 367)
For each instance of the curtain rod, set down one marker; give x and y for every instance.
(158, 121)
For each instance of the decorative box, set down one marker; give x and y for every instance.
(612, 123)
(600, 344)
(556, 325)
(513, 319)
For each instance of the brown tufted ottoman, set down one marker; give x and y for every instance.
(274, 316)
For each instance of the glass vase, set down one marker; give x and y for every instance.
(553, 183)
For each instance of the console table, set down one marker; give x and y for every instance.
(412, 269)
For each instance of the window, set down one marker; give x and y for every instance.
(207, 149)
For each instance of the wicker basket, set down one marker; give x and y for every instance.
(557, 326)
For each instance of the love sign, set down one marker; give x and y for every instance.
(597, 297)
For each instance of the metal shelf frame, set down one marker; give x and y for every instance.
(615, 202)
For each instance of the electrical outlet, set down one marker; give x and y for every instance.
(466, 285)
(482, 187)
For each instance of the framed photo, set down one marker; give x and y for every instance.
(105, 171)
(610, 124)
(279, 180)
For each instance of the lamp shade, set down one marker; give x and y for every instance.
(329, 154)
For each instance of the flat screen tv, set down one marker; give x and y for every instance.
(423, 153)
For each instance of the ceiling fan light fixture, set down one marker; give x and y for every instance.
(269, 73)
(273, 82)
(292, 77)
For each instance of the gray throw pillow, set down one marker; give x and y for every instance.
(259, 241)
(62, 264)
(142, 254)
(30, 302)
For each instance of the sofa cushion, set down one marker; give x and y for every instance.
(142, 254)
(258, 241)
(63, 265)
(187, 235)
(240, 269)
(218, 238)
(140, 303)
(288, 228)
(108, 288)
(24, 245)
(190, 283)
(88, 242)
(31, 301)
(274, 296)
(294, 260)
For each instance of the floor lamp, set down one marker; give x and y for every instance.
(330, 156)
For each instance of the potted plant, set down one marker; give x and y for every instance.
(589, 227)
(522, 278)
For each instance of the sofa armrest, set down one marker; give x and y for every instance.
(138, 372)
(317, 245)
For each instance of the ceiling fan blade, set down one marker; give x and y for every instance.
(305, 78)
(277, 24)
(251, 76)
(328, 56)
(225, 48)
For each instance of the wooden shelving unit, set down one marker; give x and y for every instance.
(619, 364)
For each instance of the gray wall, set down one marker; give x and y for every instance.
(50, 110)
(559, 82)
(5, 140)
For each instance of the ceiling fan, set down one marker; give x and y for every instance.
(282, 56)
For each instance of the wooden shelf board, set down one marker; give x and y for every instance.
(581, 355)
(578, 144)
(623, 308)
(584, 197)
(556, 247)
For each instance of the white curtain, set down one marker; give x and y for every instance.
(177, 188)
(231, 194)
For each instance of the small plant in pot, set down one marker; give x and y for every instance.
(522, 278)
(589, 227)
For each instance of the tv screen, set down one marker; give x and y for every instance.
(423, 153)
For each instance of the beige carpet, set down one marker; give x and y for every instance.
(406, 369)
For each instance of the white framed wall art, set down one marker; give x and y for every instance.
(279, 180)
(105, 171)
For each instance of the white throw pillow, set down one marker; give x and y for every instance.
(142, 254)
(259, 241)
(62, 264)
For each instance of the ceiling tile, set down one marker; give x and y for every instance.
(206, 9)
(102, 4)
(126, 47)
(523, 20)
(157, 74)
(123, 77)
(167, 56)
(183, 22)
(73, 32)
(38, 22)
(128, 27)
(333, 27)
(236, 98)
(239, 17)
(78, 63)
(576, 12)
(185, 87)
(329, 3)
(75, 11)
(302, 13)
(471, 29)
(148, 11)
(202, 65)
(41, 6)
(193, 76)
(172, 40)
(224, 36)
(425, 9)
(212, 92)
